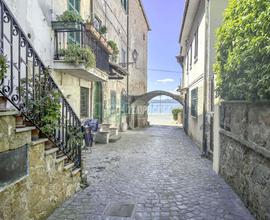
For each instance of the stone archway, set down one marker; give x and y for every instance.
(150, 95)
(139, 104)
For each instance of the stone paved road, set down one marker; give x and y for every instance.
(159, 170)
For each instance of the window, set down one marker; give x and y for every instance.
(113, 102)
(84, 102)
(144, 36)
(190, 56)
(74, 5)
(123, 58)
(124, 3)
(194, 102)
(196, 47)
(97, 23)
(187, 60)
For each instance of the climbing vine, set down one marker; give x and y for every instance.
(243, 51)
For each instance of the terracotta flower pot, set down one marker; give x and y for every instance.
(28, 123)
(93, 31)
(35, 135)
(49, 145)
(20, 121)
(3, 103)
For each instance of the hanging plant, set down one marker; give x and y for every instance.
(3, 66)
(45, 109)
(70, 16)
(115, 49)
(103, 30)
(75, 54)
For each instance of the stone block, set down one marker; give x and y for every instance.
(7, 127)
(242, 164)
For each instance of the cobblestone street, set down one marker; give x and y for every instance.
(160, 171)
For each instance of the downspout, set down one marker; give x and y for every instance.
(205, 85)
(92, 9)
(128, 104)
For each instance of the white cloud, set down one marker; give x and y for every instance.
(167, 80)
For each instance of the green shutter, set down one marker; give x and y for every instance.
(84, 102)
(194, 102)
(75, 37)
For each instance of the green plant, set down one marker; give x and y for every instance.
(115, 49)
(175, 113)
(243, 51)
(70, 16)
(103, 30)
(3, 66)
(76, 55)
(50, 112)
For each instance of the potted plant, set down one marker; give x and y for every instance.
(3, 66)
(69, 20)
(49, 145)
(3, 70)
(103, 30)
(115, 50)
(20, 121)
(76, 55)
(35, 134)
(90, 27)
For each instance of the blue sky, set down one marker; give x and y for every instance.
(165, 19)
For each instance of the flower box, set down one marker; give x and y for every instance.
(66, 26)
(99, 38)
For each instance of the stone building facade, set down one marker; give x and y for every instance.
(128, 27)
(197, 56)
(244, 160)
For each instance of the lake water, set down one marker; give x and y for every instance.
(160, 112)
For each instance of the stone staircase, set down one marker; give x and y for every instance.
(106, 133)
(50, 179)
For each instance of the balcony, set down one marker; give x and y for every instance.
(74, 34)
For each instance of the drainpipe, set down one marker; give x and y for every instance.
(128, 112)
(205, 85)
(92, 10)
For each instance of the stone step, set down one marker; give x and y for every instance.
(75, 172)
(61, 158)
(102, 137)
(39, 141)
(68, 166)
(51, 151)
(25, 129)
(7, 112)
(114, 138)
(114, 131)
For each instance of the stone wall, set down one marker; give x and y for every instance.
(47, 183)
(245, 153)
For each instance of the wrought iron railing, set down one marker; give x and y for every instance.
(84, 38)
(26, 82)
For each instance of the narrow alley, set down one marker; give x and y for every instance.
(156, 173)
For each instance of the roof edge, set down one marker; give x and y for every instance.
(184, 19)
(145, 16)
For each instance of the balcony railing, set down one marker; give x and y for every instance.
(27, 81)
(84, 38)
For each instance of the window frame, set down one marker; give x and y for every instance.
(113, 102)
(84, 113)
(74, 5)
(196, 49)
(187, 62)
(194, 103)
(124, 4)
(191, 54)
